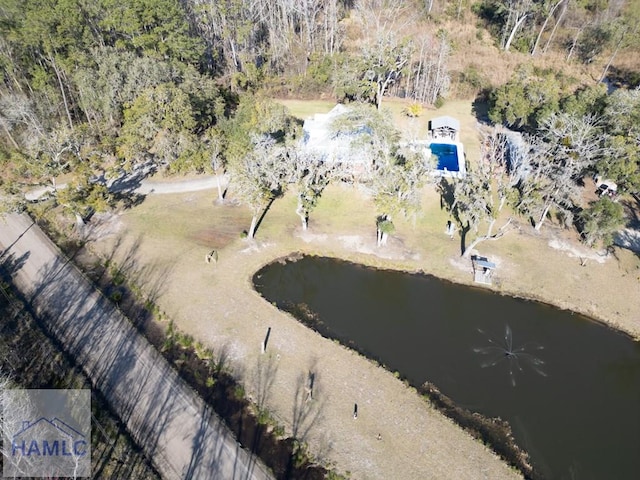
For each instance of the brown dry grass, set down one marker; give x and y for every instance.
(472, 45)
(475, 47)
(218, 306)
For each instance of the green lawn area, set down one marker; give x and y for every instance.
(303, 109)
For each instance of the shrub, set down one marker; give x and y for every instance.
(413, 110)
(600, 221)
(238, 392)
(116, 296)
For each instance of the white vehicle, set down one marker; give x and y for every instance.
(607, 187)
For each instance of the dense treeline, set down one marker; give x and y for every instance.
(100, 85)
(584, 28)
(93, 90)
(533, 100)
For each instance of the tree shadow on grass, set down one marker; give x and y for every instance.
(148, 393)
(308, 403)
(10, 264)
(279, 193)
(480, 107)
(43, 363)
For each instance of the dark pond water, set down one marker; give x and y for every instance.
(569, 387)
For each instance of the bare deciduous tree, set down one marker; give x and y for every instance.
(428, 77)
(396, 187)
(548, 17)
(567, 146)
(215, 145)
(384, 63)
(471, 200)
(519, 11)
(9, 418)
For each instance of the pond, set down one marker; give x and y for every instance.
(568, 386)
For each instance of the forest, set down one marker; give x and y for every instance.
(93, 90)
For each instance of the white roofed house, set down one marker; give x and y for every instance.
(349, 148)
(346, 136)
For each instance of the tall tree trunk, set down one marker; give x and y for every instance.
(442, 53)
(9, 136)
(64, 95)
(417, 79)
(555, 26)
(614, 54)
(488, 236)
(574, 43)
(519, 22)
(543, 216)
(472, 245)
(544, 25)
(220, 191)
(304, 216)
(331, 27)
(429, 6)
(252, 228)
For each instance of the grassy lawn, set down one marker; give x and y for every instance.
(178, 224)
(303, 109)
(188, 222)
(218, 306)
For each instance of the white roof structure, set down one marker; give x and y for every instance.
(317, 129)
(444, 122)
(321, 139)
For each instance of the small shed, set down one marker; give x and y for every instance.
(444, 127)
(482, 269)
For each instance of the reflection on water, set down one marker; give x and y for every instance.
(574, 405)
(515, 358)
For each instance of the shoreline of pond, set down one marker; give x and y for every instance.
(387, 265)
(492, 431)
(239, 260)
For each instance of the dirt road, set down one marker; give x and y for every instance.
(167, 419)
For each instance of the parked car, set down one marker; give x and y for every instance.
(607, 187)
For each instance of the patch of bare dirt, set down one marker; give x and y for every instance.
(393, 250)
(215, 238)
(103, 225)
